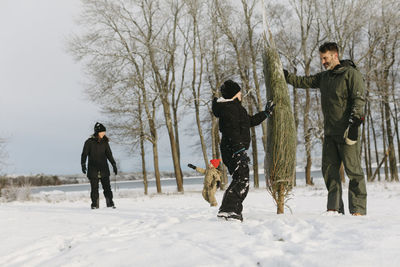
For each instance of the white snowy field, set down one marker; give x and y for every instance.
(172, 229)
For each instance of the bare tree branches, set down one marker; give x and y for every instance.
(170, 57)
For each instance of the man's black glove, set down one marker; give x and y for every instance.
(115, 169)
(84, 168)
(269, 108)
(351, 134)
(355, 122)
(286, 73)
(241, 157)
(191, 166)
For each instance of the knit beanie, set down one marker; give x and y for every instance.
(98, 127)
(229, 89)
(215, 162)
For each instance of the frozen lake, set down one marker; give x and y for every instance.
(151, 183)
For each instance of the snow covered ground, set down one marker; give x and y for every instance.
(59, 229)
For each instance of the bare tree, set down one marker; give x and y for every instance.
(385, 59)
(219, 66)
(252, 20)
(116, 62)
(245, 48)
(196, 43)
(167, 59)
(309, 39)
(128, 127)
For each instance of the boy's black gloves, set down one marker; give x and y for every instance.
(286, 73)
(191, 166)
(115, 169)
(269, 108)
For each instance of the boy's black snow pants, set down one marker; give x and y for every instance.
(239, 187)
(105, 183)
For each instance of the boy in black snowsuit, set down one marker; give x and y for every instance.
(234, 124)
(98, 150)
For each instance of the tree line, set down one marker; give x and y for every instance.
(152, 63)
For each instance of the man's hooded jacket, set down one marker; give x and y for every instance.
(342, 93)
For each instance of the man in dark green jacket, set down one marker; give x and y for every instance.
(342, 101)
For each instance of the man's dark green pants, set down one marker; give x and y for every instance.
(334, 152)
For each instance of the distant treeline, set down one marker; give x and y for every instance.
(49, 180)
(37, 180)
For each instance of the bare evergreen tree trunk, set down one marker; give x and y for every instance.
(281, 140)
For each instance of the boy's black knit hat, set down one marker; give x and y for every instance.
(229, 89)
(98, 127)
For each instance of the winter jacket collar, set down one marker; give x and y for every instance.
(343, 66)
(223, 100)
(94, 138)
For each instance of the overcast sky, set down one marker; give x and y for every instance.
(44, 113)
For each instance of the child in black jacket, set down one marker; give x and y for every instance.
(234, 124)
